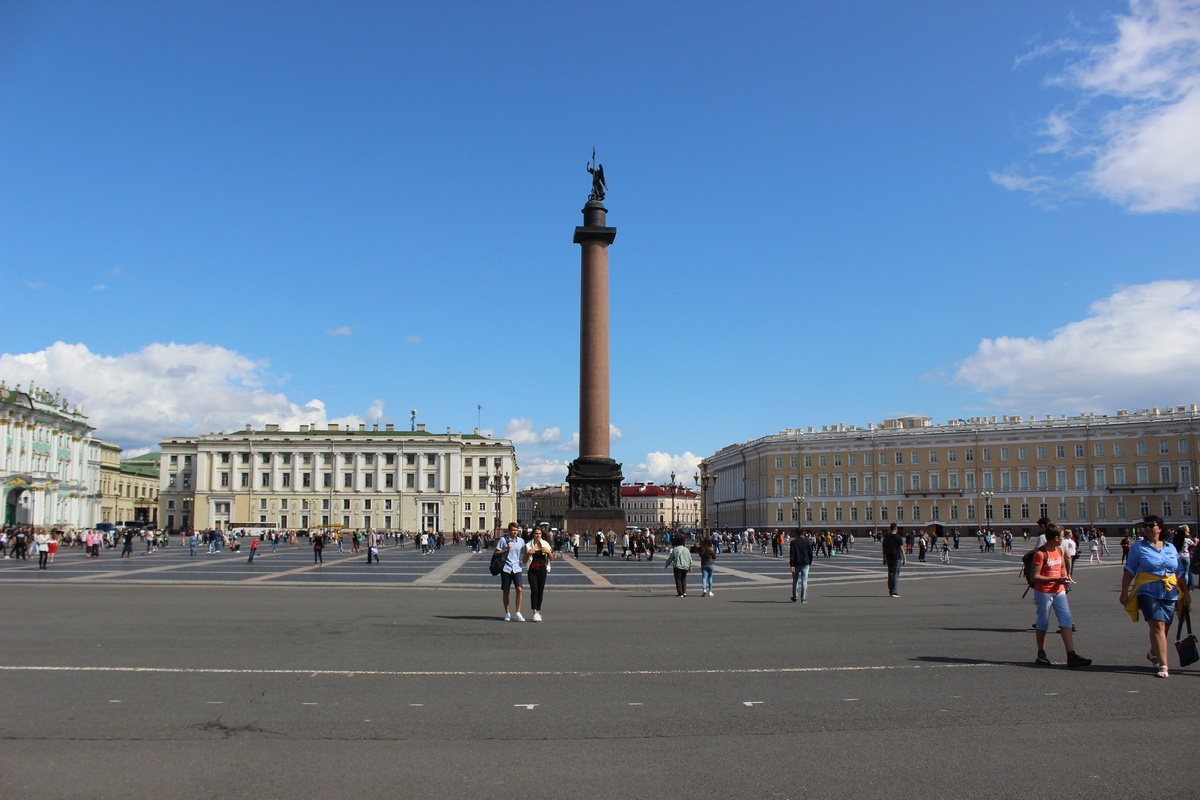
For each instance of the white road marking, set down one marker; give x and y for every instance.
(214, 702)
(526, 706)
(636, 704)
(750, 703)
(438, 575)
(417, 705)
(493, 673)
(308, 704)
(851, 699)
(596, 578)
(114, 701)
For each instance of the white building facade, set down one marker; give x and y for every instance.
(337, 478)
(49, 462)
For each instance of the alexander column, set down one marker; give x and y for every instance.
(594, 478)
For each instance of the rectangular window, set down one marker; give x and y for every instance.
(779, 462)
(808, 461)
(935, 481)
(1079, 451)
(306, 480)
(970, 481)
(345, 505)
(914, 481)
(823, 485)
(853, 460)
(987, 454)
(837, 484)
(286, 480)
(368, 458)
(1141, 448)
(1060, 478)
(794, 462)
(1118, 448)
(224, 479)
(347, 480)
(389, 480)
(899, 458)
(1098, 478)
(1118, 475)
(367, 507)
(808, 484)
(1005, 479)
(853, 484)
(262, 504)
(368, 481)
(869, 484)
(1080, 478)
(883, 483)
(821, 461)
(1185, 474)
(867, 459)
(987, 480)
(933, 457)
(1060, 451)
(1004, 454)
(837, 460)
(264, 480)
(1143, 474)
(245, 480)
(266, 458)
(411, 459)
(952, 456)
(431, 481)
(952, 480)
(327, 480)
(969, 455)
(1164, 473)
(793, 486)
(779, 485)
(1183, 445)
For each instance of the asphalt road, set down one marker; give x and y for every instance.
(122, 685)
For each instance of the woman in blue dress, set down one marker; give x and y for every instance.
(1152, 585)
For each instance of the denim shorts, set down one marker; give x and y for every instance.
(1062, 611)
(1156, 609)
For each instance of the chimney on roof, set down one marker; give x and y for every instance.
(333, 426)
(420, 427)
(390, 427)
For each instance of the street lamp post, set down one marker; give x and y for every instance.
(987, 508)
(674, 487)
(500, 486)
(799, 501)
(704, 480)
(1195, 490)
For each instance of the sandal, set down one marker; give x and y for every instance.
(1162, 671)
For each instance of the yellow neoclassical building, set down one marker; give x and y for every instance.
(1089, 470)
(128, 488)
(337, 477)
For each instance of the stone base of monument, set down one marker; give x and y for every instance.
(594, 500)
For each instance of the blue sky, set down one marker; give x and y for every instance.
(214, 214)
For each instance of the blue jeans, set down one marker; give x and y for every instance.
(893, 566)
(706, 577)
(800, 576)
(1185, 564)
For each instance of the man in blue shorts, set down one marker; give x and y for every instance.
(512, 546)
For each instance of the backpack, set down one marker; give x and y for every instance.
(1028, 569)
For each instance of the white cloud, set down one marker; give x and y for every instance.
(1139, 348)
(99, 287)
(1133, 135)
(524, 432)
(342, 331)
(163, 390)
(539, 471)
(414, 341)
(37, 286)
(658, 467)
(115, 272)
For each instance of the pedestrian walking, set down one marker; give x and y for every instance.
(680, 561)
(1049, 576)
(894, 557)
(41, 541)
(800, 557)
(318, 543)
(372, 547)
(511, 546)
(253, 550)
(1150, 584)
(708, 565)
(539, 554)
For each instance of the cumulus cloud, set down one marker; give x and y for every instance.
(658, 468)
(342, 331)
(162, 390)
(538, 471)
(524, 432)
(1139, 348)
(1133, 132)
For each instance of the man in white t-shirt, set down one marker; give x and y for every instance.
(512, 546)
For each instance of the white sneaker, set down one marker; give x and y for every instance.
(507, 617)
(537, 616)
(519, 618)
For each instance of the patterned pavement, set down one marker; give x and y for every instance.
(458, 568)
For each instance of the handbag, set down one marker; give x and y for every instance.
(1186, 647)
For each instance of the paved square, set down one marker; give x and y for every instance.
(168, 675)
